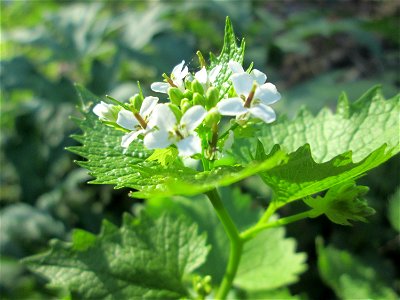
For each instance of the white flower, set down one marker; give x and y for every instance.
(178, 74)
(207, 78)
(170, 131)
(257, 75)
(136, 122)
(105, 111)
(254, 96)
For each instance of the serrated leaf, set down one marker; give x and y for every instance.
(268, 248)
(349, 277)
(334, 148)
(360, 127)
(342, 203)
(264, 258)
(144, 259)
(164, 156)
(230, 51)
(200, 210)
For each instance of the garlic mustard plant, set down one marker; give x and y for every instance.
(213, 241)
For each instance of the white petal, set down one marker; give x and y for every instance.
(231, 107)
(157, 139)
(178, 71)
(242, 82)
(267, 93)
(193, 117)
(258, 76)
(214, 73)
(128, 138)
(189, 146)
(201, 75)
(184, 72)
(235, 67)
(127, 120)
(103, 111)
(148, 105)
(162, 117)
(160, 87)
(263, 112)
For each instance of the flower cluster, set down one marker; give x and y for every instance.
(190, 119)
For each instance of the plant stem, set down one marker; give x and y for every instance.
(251, 232)
(236, 244)
(233, 127)
(272, 207)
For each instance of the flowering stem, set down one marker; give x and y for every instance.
(236, 244)
(251, 232)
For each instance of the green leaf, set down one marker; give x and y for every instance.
(360, 127)
(342, 203)
(281, 293)
(144, 259)
(264, 258)
(268, 248)
(164, 156)
(201, 212)
(230, 51)
(349, 277)
(328, 149)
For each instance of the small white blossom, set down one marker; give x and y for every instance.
(128, 120)
(168, 131)
(207, 78)
(178, 74)
(254, 96)
(105, 111)
(257, 75)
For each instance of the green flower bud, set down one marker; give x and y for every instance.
(136, 101)
(185, 105)
(188, 94)
(199, 99)
(175, 109)
(212, 97)
(212, 117)
(175, 95)
(197, 87)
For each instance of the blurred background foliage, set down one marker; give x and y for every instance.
(312, 50)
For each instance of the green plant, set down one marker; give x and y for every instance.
(143, 146)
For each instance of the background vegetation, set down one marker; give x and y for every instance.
(311, 50)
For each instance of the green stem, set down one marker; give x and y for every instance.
(236, 244)
(233, 127)
(272, 207)
(251, 232)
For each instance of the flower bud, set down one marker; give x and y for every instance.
(136, 101)
(212, 97)
(197, 87)
(175, 95)
(188, 94)
(185, 105)
(175, 109)
(199, 99)
(212, 117)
